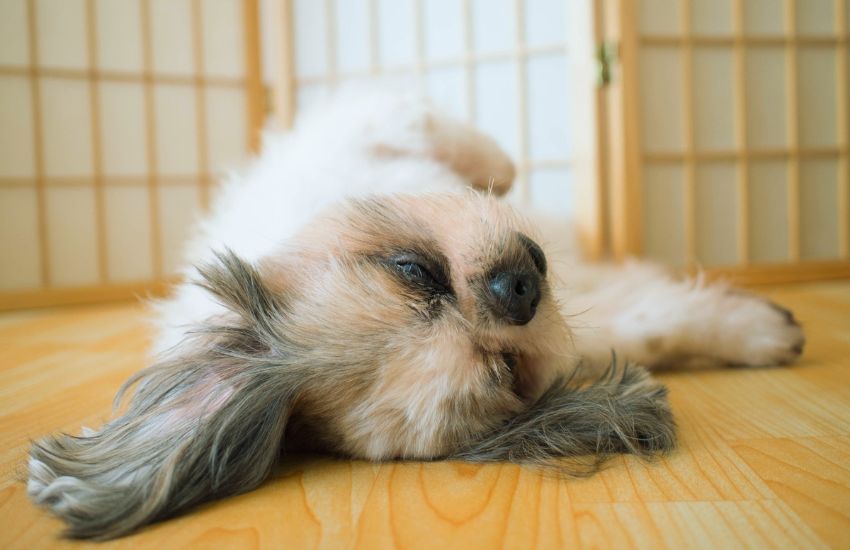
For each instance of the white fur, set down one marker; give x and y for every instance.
(637, 310)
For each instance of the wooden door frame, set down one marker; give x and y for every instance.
(620, 162)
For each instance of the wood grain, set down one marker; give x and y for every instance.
(763, 461)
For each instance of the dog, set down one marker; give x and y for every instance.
(362, 291)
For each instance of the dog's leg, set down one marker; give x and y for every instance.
(411, 128)
(473, 155)
(649, 317)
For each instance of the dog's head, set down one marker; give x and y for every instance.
(426, 319)
(413, 327)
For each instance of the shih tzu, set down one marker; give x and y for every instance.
(361, 291)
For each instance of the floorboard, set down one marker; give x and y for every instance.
(763, 461)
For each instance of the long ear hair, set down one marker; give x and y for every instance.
(205, 423)
(573, 428)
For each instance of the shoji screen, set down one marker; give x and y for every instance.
(115, 118)
(521, 70)
(742, 135)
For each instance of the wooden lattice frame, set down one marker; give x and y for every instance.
(287, 84)
(627, 157)
(48, 294)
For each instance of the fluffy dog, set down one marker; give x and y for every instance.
(354, 296)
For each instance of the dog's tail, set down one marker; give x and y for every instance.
(624, 411)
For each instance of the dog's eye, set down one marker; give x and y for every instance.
(415, 272)
(418, 270)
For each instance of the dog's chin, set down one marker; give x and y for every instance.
(528, 374)
(520, 380)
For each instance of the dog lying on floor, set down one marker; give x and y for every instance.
(355, 295)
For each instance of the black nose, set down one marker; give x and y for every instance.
(515, 295)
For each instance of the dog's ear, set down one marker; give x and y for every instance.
(204, 423)
(575, 426)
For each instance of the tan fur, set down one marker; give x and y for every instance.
(420, 368)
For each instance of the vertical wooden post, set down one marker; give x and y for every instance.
(741, 137)
(253, 74)
(625, 146)
(791, 112)
(689, 194)
(38, 142)
(150, 140)
(283, 41)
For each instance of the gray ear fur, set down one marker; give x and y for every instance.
(624, 411)
(204, 424)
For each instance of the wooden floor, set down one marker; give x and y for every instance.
(764, 459)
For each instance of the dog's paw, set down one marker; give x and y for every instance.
(759, 332)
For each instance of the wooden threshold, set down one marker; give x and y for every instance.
(773, 274)
(49, 297)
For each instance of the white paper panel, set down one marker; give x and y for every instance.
(224, 40)
(447, 89)
(495, 97)
(119, 35)
(62, 33)
(66, 118)
(816, 17)
(714, 99)
(72, 237)
(14, 35)
(662, 125)
(309, 95)
(816, 82)
(354, 81)
(663, 207)
(352, 40)
(179, 206)
(659, 16)
(766, 109)
(227, 137)
(846, 18)
(768, 211)
(128, 234)
(19, 247)
(443, 29)
(552, 190)
(171, 30)
(310, 26)
(494, 29)
(397, 32)
(545, 22)
(176, 129)
(764, 17)
(400, 81)
(819, 209)
(711, 17)
(716, 214)
(16, 129)
(123, 132)
(548, 107)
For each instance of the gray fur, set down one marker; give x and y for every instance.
(624, 411)
(209, 422)
(136, 470)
